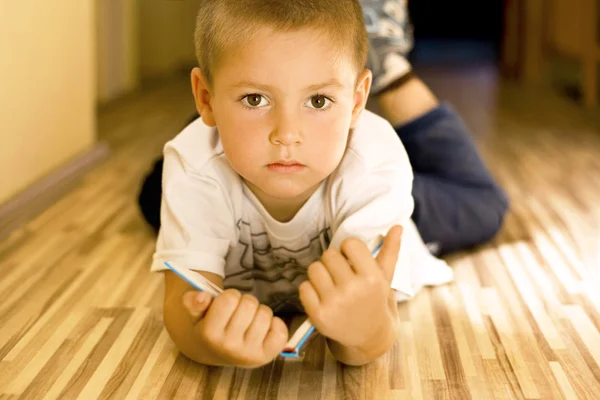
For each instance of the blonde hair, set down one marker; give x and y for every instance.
(224, 25)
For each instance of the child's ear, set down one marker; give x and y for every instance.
(203, 97)
(361, 94)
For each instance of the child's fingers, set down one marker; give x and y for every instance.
(338, 267)
(388, 255)
(261, 324)
(222, 309)
(242, 317)
(319, 277)
(276, 338)
(196, 303)
(309, 298)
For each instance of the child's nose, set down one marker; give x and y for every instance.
(286, 131)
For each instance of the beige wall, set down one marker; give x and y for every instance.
(166, 36)
(141, 39)
(117, 43)
(564, 22)
(47, 88)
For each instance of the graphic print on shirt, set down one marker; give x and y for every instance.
(270, 271)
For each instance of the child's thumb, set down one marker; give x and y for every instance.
(196, 303)
(388, 255)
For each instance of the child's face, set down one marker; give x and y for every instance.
(284, 106)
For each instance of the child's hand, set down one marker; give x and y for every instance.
(236, 327)
(346, 296)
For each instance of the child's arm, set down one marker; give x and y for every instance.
(229, 330)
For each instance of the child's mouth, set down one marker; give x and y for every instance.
(286, 168)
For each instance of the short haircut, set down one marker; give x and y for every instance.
(224, 25)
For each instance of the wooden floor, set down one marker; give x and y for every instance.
(80, 315)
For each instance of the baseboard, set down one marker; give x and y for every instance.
(45, 192)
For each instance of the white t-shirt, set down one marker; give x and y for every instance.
(211, 221)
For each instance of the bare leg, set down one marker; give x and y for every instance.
(407, 102)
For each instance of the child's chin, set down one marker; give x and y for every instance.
(286, 193)
(288, 189)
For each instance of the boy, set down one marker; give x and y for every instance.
(458, 204)
(280, 198)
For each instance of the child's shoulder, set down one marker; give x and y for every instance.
(373, 142)
(196, 146)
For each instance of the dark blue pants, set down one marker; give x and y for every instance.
(457, 203)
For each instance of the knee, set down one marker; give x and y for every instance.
(491, 215)
(478, 222)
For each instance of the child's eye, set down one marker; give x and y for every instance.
(319, 102)
(254, 100)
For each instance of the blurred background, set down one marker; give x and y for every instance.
(66, 66)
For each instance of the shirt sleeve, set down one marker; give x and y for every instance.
(369, 198)
(371, 204)
(197, 219)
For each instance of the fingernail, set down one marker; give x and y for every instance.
(200, 300)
